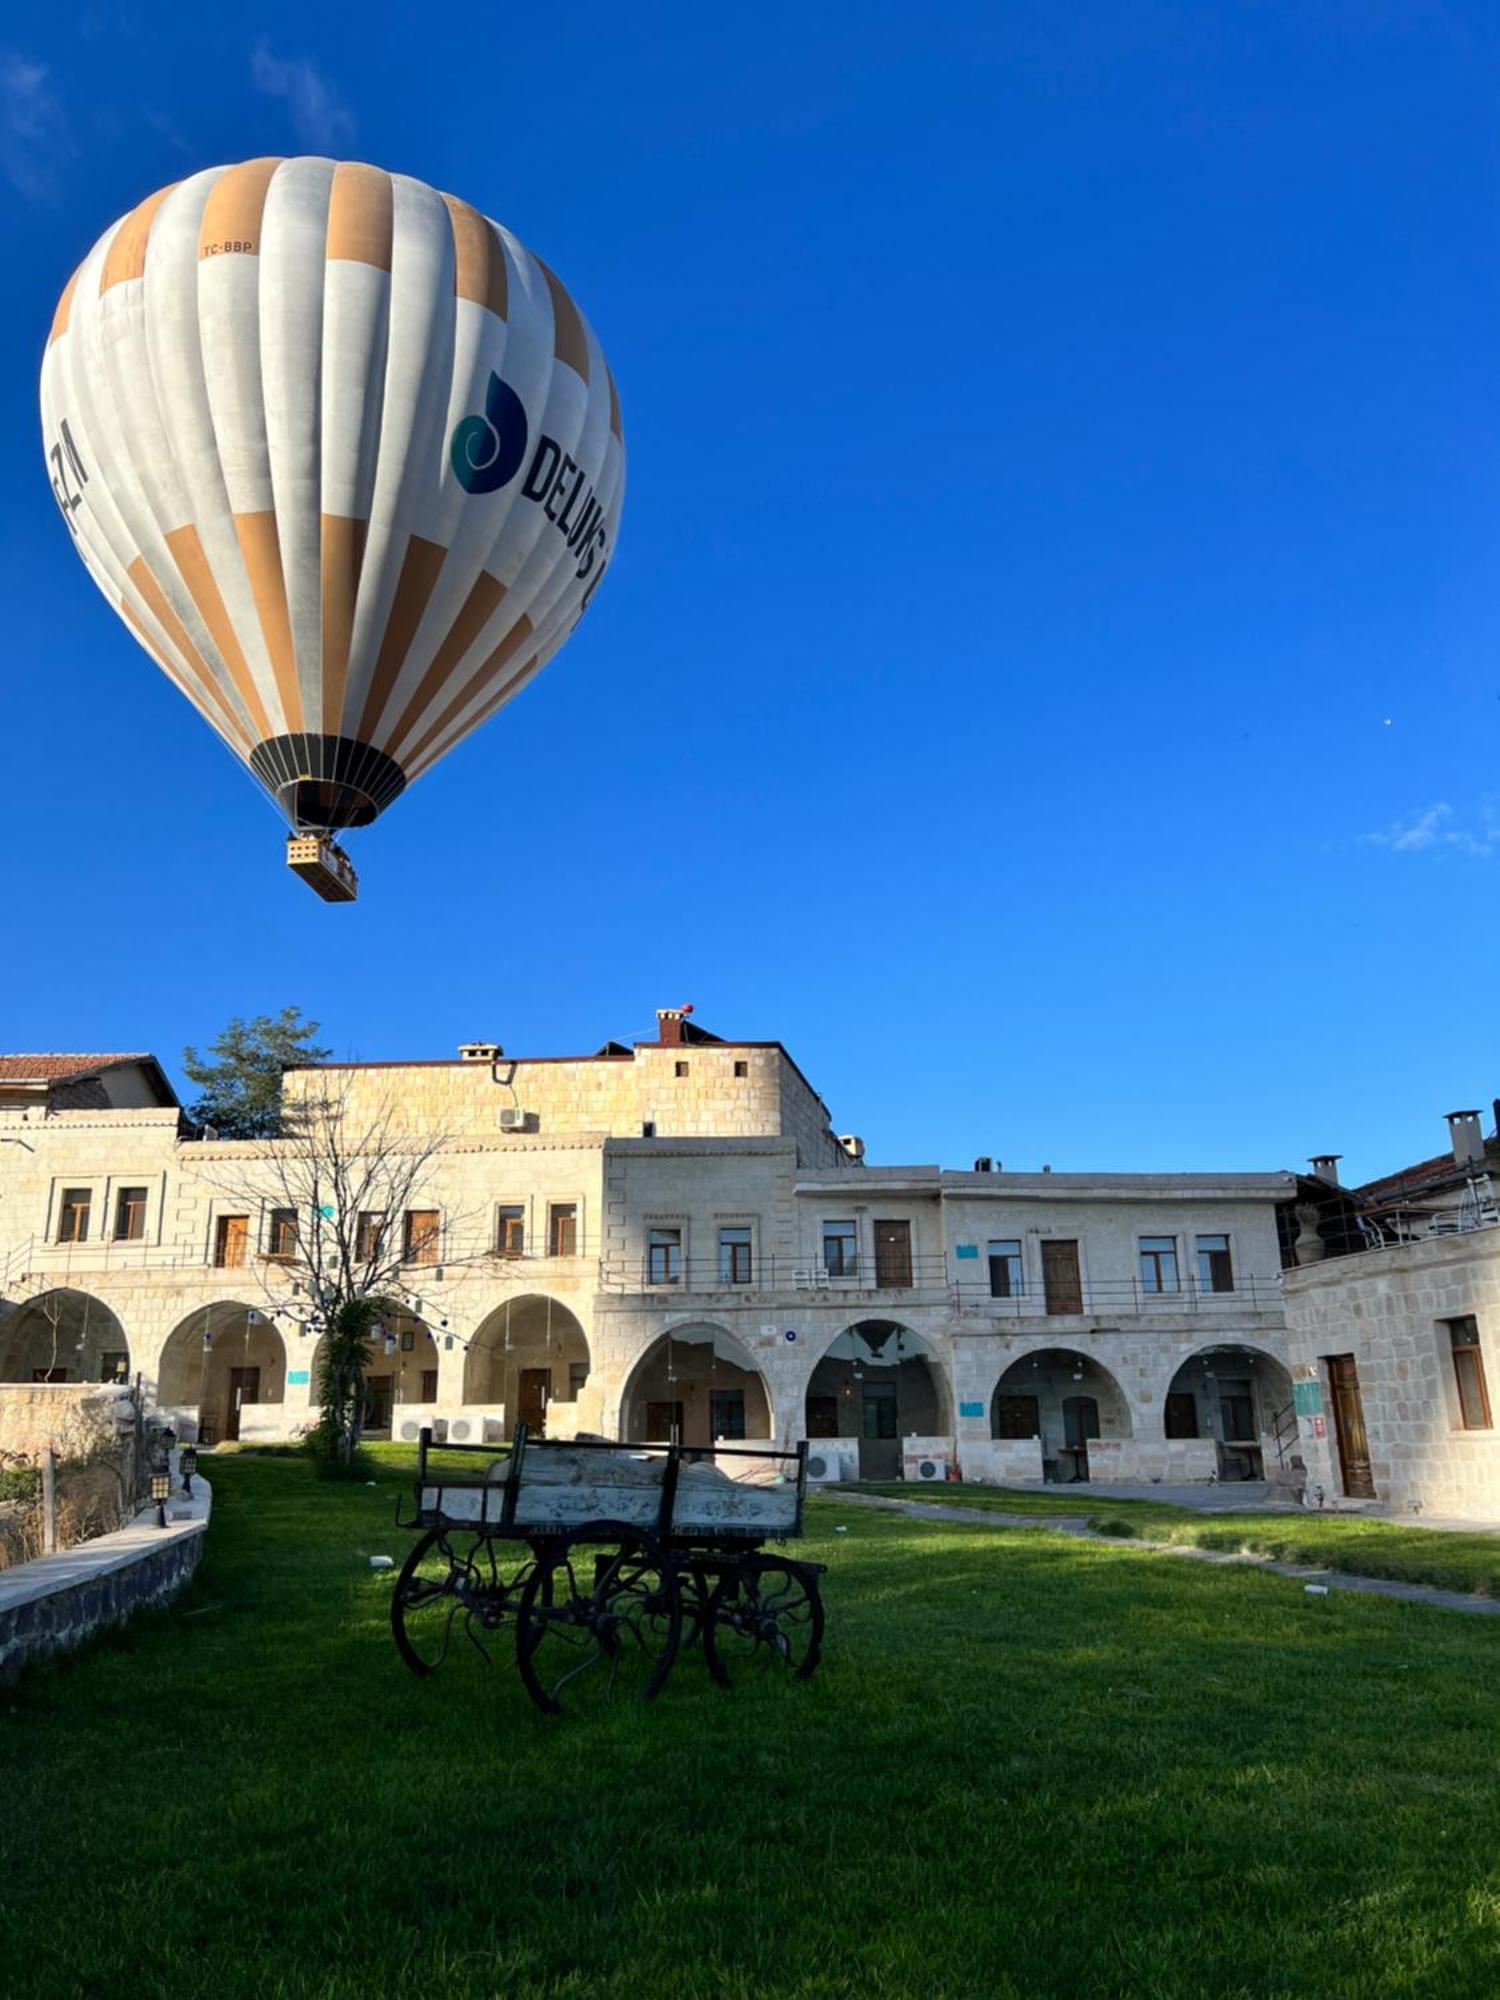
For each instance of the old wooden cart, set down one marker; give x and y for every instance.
(605, 1559)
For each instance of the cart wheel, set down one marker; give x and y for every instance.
(451, 1579)
(766, 1610)
(600, 1619)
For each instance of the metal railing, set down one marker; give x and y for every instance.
(931, 1278)
(38, 1260)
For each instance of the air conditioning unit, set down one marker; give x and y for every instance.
(461, 1430)
(512, 1118)
(924, 1468)
(409, 1429)
(830, 1460)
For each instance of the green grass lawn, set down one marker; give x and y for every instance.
(1028, 1766)
(1346, 1542)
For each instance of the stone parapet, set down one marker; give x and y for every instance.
(53, 1605)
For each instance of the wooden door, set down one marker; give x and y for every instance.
(880, 1442)
(893, 1256)
(1349, 1428)
(532, 1400)
(244, 1387)
(1060, 1277)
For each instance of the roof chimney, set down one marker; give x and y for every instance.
(480, 1051)
(1468, 1138)
(1326, 1166)
(669, 1026)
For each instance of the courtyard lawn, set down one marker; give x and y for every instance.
(1346, 1542)
(1028, 1766)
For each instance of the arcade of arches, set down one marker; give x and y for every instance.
(695, 1385)
(64, 1336)
(219, 1362)
(879, 1382)
(529, 1354)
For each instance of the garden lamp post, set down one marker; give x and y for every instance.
(189, 1467)
(161, 1488)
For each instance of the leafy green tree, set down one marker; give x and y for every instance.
(240, 1077)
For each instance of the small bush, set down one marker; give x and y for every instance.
(19, 1482)
(1114, 1524)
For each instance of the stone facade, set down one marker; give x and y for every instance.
(1391, 1310)
(671, 1235)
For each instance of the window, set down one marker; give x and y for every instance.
(679, 1069)
(510, 1231)
(727, 1413)
(1468, 1369)
(231, 1240)
(663, 1256)
(1215, 1271)
(1005, 1268)
(1017, 1417)
(429, 1385)
(562, 1229)
(130, 1215)
(1158, 1263)
(419, 1242)
(73, 1217)
(283, 1236)
(840, 1249)
(1182, 1414)
(734, 1257)
(369, 1235)
(742, 1068)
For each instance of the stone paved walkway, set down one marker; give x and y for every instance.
(1073, 1524)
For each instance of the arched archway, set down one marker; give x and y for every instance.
(221, 1363)
(1239, 1398)
(1066, 1399)
(64, 1336)
(879, 1382)
(527, 1363)
(401, 1376)
(695, 1385)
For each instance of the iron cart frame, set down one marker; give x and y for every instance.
(618, 1597)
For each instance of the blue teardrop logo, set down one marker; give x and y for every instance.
(486, 452)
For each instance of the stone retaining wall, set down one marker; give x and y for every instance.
(52, 1605)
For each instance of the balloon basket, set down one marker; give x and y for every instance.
(323, 866)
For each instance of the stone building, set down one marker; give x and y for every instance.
(662, 1240)
(1393, 1307)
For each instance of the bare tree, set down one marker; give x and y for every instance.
(341, 1188)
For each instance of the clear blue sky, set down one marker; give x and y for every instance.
(1049, 676)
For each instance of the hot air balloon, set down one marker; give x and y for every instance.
(346, 458)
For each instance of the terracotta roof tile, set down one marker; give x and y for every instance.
(1442, 1169)
(59, 1068)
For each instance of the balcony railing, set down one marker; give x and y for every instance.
(23, 1268)
(929, 1278)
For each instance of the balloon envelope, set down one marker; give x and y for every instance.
(344, 455)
